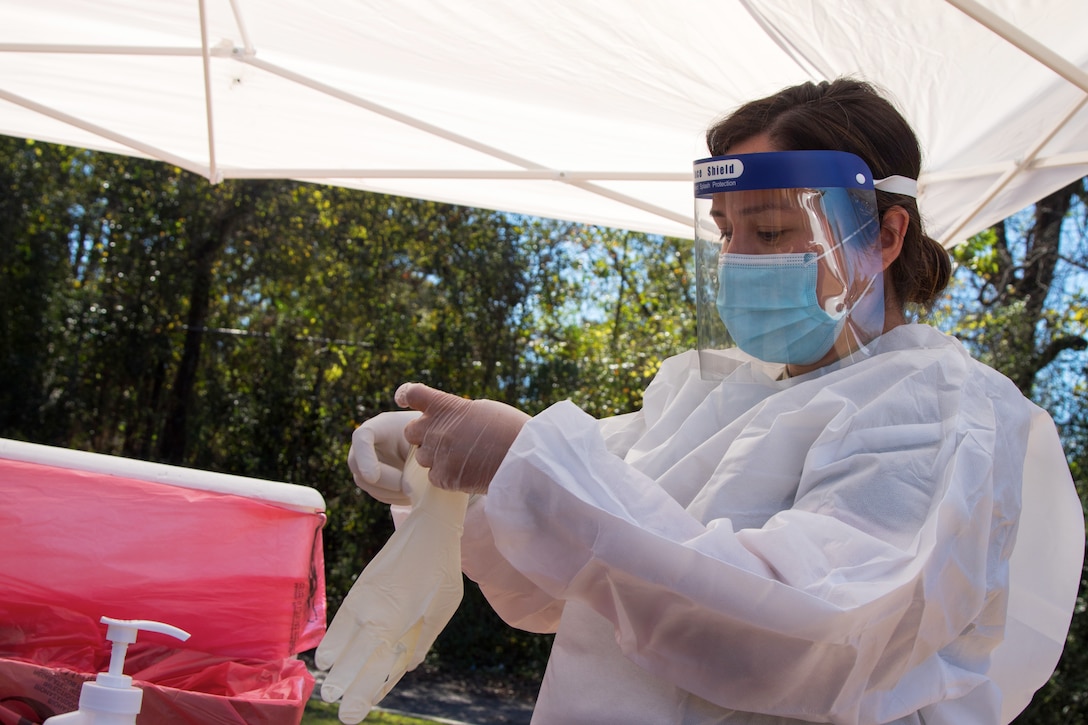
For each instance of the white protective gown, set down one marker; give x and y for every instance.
(829, 548)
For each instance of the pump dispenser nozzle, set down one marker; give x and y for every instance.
(111, 699)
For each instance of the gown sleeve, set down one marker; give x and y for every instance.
(849, 605)
(514, 597)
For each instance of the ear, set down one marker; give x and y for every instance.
(893, 230)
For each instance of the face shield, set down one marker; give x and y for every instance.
(788, 258)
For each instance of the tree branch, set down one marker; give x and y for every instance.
(1057, 346)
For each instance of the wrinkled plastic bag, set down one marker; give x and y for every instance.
(399, 604)
(242, 575)
(182, 687)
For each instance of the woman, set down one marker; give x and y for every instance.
(815, 527)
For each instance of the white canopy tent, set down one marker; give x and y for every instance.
(587, 111)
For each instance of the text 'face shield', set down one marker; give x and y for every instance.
(788, 258)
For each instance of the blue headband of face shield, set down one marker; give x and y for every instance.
(781, 170)
(765, 309)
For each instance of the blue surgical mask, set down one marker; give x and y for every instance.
(769, 304)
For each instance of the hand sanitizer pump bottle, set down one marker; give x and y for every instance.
(110, 699)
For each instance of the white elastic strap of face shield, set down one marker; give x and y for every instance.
(898, 185)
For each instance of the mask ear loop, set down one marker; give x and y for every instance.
(837, 305)
(902, 185)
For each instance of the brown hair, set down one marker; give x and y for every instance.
(850, 115)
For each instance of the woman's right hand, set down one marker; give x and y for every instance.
(377, 456)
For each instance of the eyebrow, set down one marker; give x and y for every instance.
(755, 209)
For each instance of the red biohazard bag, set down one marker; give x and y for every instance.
(236, 562)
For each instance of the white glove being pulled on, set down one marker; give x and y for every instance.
(378, 454)
(462, 441)
(401, 602)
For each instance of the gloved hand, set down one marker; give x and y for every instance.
(462, 441)
(399, 605)
(377, 456)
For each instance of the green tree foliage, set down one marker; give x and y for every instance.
(1019, 304)
(632, 306)
(248, 327)
(37, 221)
(1022, 304)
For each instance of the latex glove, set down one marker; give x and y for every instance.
(377, 456)
(462, 441)
(398, 606)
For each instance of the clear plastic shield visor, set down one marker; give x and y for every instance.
(788, 258)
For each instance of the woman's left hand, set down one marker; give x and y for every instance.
(461, 441)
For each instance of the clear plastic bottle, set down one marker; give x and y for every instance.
(111, 699)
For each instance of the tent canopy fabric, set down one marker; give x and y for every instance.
(585, 111)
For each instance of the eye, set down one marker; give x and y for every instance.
(770, 236)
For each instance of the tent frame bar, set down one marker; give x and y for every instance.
(525, 169)
(464, 141)
(1018, 38)
(466, 174)
(206, 63)
(1048, 58)
(136, 50)
(1011, 173)
(144, 149)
